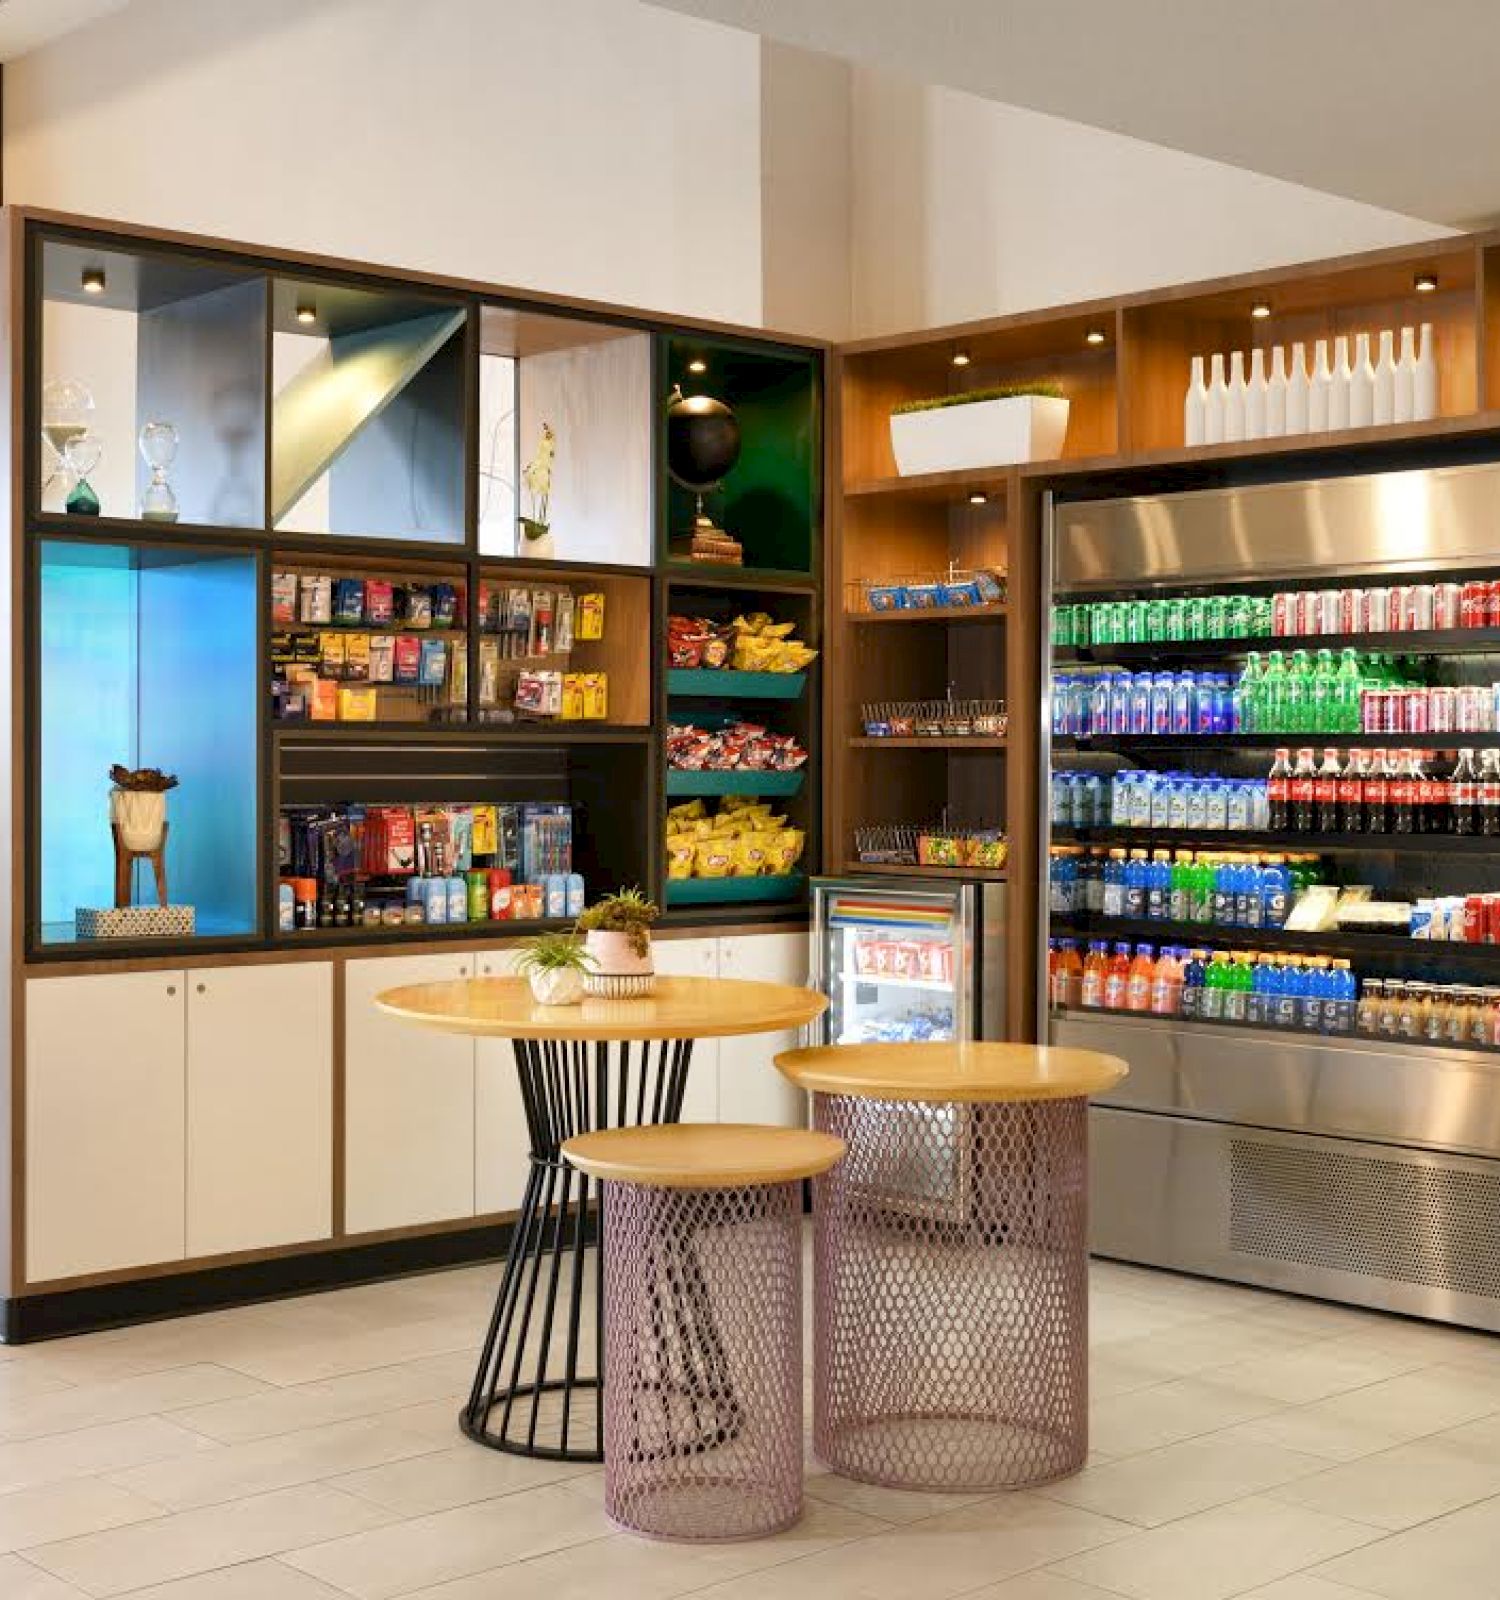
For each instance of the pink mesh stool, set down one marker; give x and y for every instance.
(950, 1311)
(703, 1324)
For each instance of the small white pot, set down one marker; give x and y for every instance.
(987, 433)
(540, 548)
(141, 817)
(556, 986)
(618, 972)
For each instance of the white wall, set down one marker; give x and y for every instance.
(965, 208)
(600, 148)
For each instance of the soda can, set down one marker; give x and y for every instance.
(1371, 710)
(1474, 919)
(1176, 618)
(1156, 621)
(1216, 617)
(1473, 604)
(1283, 605)
(1414, 711)
(1468, 709)
(1393, 711)
(1440, 710)
(1378, 610)
(1492, 607)
(1420, 607)
(1197, 617)
(1062, 625)
(1135, 622)
(1352, 611)
(1446, 599)
(1400, 607)
(1492, 919)
(1083, 630)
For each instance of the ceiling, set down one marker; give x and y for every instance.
(1390, 103)
(24, 24)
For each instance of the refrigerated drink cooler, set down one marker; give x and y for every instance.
(909, 963)
(1271, 776)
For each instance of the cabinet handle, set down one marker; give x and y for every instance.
(463, 972)
(171, 988)
(202, 988)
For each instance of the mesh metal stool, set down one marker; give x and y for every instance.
(703, 1324)
(950, 1312)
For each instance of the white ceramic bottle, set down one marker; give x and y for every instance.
(1234, 403)
(1385, 381)
(1276, 395)
(1406, 377)
(1297, 392)
(1194, 406)
(1425, 384)
(1256, 396)
(1218, 395)
(1362, 385)
(1317, 393)
(1338, 390)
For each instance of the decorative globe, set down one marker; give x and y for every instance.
(703, 441)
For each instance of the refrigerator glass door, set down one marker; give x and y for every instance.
(895, 963)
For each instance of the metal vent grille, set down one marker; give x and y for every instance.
(1407, 1221)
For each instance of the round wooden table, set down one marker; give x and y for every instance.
(950, 1249)
(602, 1064)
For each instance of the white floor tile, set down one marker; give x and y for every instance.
(85, 1451)
(90, 1405)
(1456, 1557)
(442, 1479)
(1149, 1418)
(19, 1580)
(64, 1510)
(251, 1580)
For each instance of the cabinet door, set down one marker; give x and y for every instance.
(408, 1103)
(259, 1106)
(500, 1144)
(750, 1087)
(694, 958)
(105, 1104)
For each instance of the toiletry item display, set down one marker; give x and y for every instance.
(753, 643)
(742, 838)
(382, 866)
(1391, 378)
(526, 640)
(367, 649)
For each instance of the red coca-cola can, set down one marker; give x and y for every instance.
(1282, 603)
(1474, 919)
(1352, 611)
(1378, 610)
(1305, 612)
(1492, 607)
(1329, 611)
(1440, 709)
(1371, 711)
(1414, 711)
(1468, 709)
(1420, 607)
(1400, 607)
(1492, 919)
(1473, 604)
(1447, 600)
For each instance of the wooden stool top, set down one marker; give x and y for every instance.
(703, 1155)
(975, 1070)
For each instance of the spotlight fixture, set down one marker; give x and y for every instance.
(1425, 282)
(960, 357)
(307, 313)
(1261, 310)
(93, 280)
(979, 498)
(697, 366)
(1094, 336)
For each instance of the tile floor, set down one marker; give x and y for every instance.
(1244, 1444)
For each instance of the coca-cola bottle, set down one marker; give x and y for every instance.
(1433, 815)
(1352, 793)
(1463, 789)
(1326, 793)
(1378, 793)
(1489, 794)
(1402, 795)
(1277, 815)
(1300, 791)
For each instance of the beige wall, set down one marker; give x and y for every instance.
(966, 208)
(592, 147)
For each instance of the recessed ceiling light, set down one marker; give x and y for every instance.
(306, 313)
(93, 280)
(960, 358)
(1425, 282)
(1261, 310)
(979, 498)
(1094, 336)
(698, 366)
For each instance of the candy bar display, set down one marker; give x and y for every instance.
(900, 844)
(526, 639)
(965, 588)
(753, 643)
(742, 838)
(739, 747)
(949, 718)
(382, 866)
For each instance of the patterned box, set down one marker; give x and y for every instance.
(133, 922)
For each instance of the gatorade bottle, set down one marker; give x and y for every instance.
(1114, 885)
(1256, 1008)
(1180, 904)
(1344, 990)
(1254, 897)
(1166, 990)
(1135, 884)
(1203, 889)
(1191, 1005)
(1222, 915)
(1159, 887)
(1117, 978)
(1289, 997)
(1141, 979)
(1091, 992)
(1275, 892)
(1316, 991)
(1215, 981)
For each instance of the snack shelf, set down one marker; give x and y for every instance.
(926, 741)
(1430, 642)
(1244, 839)
(733, 781)
(734, 891)
(726, 683)
(902, 869)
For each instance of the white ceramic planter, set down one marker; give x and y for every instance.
(618, 973)
(987, 433)
(557, 986)
(141, 817)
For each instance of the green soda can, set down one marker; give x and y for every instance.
(1135, 622)
(1176, 622)
(1083, 626)
(1237, 616)
(1216, 619)
(1197, 617)
(1062, 625)
(1156, 621)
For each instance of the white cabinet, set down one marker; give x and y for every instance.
(259, 1106)
(408, 1103)
(105, 1119)
(750, 1087)
(501, 1162)
(694, 958)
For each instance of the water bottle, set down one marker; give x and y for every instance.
(1216, 805)
(1177, 799)
(1161, 801)
(1140, 702)
(1237, 805)
(1060, 704)
(1062, 800)
(1099, 704)
(1140, 799)
(1161, 704)
(1182, 703)
(1197, 803)
(1204, 696)
(1093, 810)
(1119, 799)
(1223, 704)
(1119, 702)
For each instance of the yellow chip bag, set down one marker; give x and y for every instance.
(682, 851)
(714, 858)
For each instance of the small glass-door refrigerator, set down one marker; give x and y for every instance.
(918, 961)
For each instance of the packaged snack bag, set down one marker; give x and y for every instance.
(714, 858)
(682, 854)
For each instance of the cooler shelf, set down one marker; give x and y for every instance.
(1216, 936)
(1244, 839)
(1431, 642)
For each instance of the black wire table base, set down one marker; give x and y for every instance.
(537, 1390)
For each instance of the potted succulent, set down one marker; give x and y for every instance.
(555, 965)
(992, 427)
(536, 530)
(617, 936)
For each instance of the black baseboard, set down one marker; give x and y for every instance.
(112, 1305)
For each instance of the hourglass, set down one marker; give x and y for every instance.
(158, 450)
(81, 455)
(67, 407)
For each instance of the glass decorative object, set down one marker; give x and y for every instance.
(81, 455)
(67, 410)
(159, 450)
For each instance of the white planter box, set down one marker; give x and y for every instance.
(988, 433)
